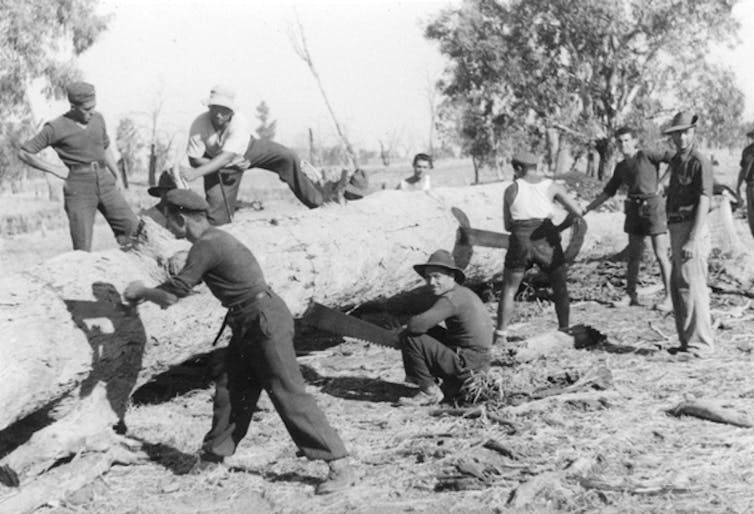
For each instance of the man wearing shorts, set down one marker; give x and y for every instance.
(528, 206)
(645, 212)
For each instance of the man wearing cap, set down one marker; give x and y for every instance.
(688, 202)
(260, 354)
(747, 175)
(452, 353)
(419, 181)
(221, 147)
(80, 139)
(645, 212)
(528, 208)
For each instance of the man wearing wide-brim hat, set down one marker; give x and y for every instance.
(165, 183)
(746, 174)
(80, 139)
(687, 205)
(221, 147)
(450, 354)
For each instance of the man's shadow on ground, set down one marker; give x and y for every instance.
(117, 337)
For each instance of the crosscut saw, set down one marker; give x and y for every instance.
(330, 320)
(467, 237)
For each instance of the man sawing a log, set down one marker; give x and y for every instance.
(260, 354)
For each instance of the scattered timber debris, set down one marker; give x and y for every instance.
(710, 412)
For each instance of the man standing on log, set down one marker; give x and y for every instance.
(419, 181)
(221, 148)
(688, 203)
(260, 354)
(80, 139)
(450, 353)
(747, 175)
(645, 213)
(528, 206)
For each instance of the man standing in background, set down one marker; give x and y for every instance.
(688, 203)
(80, 139)
(747, 175)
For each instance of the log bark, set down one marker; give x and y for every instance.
(64, 328)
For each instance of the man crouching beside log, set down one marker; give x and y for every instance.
(449, 353)
(528, 207)
(260, 354)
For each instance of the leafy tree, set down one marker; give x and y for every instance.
(583, 67)
(39, 39)
(266, 128)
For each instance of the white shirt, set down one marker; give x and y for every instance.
(532, 201)
(235, 138)
(422, 184)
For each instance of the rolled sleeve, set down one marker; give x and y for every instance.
(41, 141)
(196, 146)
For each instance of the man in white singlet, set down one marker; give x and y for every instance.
(528, 207)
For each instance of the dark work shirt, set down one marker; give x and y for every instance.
(228, 268)
(639, 172)
(747, 163)
(75, 144)
(690, 178)
(467, 322)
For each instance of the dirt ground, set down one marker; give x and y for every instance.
(641, 459)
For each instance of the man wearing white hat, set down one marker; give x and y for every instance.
(688, 202)
(221, 147)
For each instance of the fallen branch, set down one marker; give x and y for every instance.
(710, 412)
(650, 490)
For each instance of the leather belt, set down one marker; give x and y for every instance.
(238, 307)
(92, 166)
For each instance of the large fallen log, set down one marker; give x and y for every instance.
(65, 332)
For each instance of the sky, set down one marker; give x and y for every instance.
(371, 55)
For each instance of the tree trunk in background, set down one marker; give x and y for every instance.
(553, 148)
(123, 172)
(152, 165)
(605, 164)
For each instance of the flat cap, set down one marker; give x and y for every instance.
(525, 158)
(186, 200)
(80, 93)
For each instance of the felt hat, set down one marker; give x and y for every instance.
(681, 121)
(186, 200)
(80, 93)
(358, 184)
(525, 159)
(164, 184)
(441, 259)
(223, 96)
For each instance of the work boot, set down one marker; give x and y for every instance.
(431, 396)
(340, 477)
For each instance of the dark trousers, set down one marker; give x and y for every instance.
(87, 191)
(260, 355)
(266, 155)
(750, 206)
(425, 357)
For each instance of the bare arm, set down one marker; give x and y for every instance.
(201, 166)
(508, 197)
(566, 200)
(137, 291)
(37, 162)
(599, 200)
